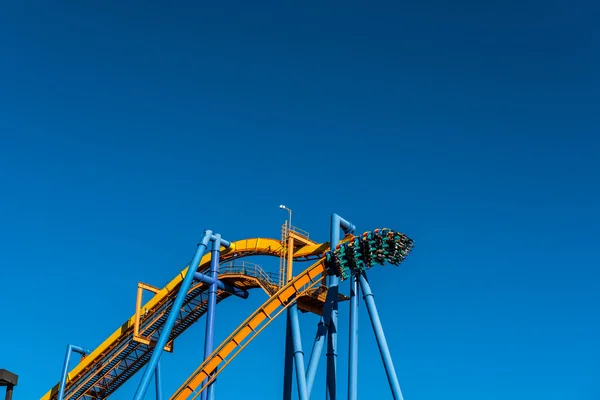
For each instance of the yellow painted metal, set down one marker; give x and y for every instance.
(290, 258)
(138, 307)
(311, 250)
(248, 330)
(301, 239)
(238, 249)
(294, 239)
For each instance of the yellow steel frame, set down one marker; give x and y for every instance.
(238, 249)
(138, 306)
(293, 237)
(248, 330)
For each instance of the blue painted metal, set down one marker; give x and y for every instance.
(211, 394)
(168, 327)
(63, 380)
(353, 343)
(320, 338)
(380, 336)
(330, 306)
(288, 368)
(337, 222)
(298, 353)
(224, 243)
(315, 354)
(209, 337)
(222, 286)
(158, 382)
(332, 350)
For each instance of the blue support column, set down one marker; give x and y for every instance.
(328, 309)
(380, 336)
(337, 222)
(212, 305)
(157, 382)
(221, 286)
(288, 368)
(65, 371)
(332, 345)
(298, 353)
(315, 354)
(353, 345)
(173, 312)
(213, 388)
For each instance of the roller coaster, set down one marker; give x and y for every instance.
(219, 274)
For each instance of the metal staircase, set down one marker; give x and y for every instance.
(302, 238)
(129, 356)
(283, 256)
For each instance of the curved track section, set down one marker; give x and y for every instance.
(249, 329)
(119, 357)
(353, 255)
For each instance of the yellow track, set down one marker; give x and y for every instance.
(248, 330)
(239, 249)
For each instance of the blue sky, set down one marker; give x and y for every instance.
(126, 130)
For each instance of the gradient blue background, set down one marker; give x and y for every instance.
(129, 128)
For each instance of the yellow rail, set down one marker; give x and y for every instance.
(248, 330)
(241, 248)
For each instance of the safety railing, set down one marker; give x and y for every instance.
(250, 269)
(299, 231)
(285, 229)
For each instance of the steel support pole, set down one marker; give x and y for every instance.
(353, 342)
(315, 354)
(222, 286)
(337, 222)
(173, 312)
(212, 305)
(158, 382)
(298, 353)
(330, 302)
(320, 338)
(380, 336)
(63, 379)
(288, 366)
(332, 347)
(213, 389)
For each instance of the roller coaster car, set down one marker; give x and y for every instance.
(362, 252)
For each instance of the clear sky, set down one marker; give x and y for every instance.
(127, 128)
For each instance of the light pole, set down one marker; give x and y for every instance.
(290, 211)
(9, 380)
(293, 348)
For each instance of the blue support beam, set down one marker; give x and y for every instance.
(157, 382)
(211, 394)
(353, 343)
(298, 353)
(212, 306)
(380, 336)
(288, 368)
(209, 337)
(63, 379)
(329, 310)
(315, 354)
(332, 353)
(221, 285)
(337, 222)
(173, 312)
